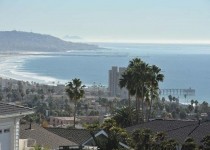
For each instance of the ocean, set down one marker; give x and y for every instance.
(184, 66)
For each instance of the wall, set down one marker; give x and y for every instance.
(11, 123)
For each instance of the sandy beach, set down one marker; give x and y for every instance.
(11, 67)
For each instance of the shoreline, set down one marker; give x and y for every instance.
(11, 68)
(11, 63)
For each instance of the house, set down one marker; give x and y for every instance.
(82, 137)
(9, 125)
(178, 130)
(37, 135)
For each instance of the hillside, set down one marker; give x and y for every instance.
(28, 41)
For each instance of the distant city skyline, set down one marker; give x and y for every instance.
(136, 21)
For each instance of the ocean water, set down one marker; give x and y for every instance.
(184, 66)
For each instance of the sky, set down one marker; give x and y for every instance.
(111, 20)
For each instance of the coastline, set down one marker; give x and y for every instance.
(181, 70)
(11, 68)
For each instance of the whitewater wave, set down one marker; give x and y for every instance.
(12, 68)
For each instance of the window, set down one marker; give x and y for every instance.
(0, 131)
(6, 130)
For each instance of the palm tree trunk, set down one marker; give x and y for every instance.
(129, 107)
(75, 110)
(129, 100)
(142, 108)
(139, 104)
(142, 103)
(137, 110)
(150, 108)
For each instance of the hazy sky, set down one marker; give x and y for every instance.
(110, 20)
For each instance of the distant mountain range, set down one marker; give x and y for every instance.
(28, 41)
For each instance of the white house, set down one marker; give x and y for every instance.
(9, 125)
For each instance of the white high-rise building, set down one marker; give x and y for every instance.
(114, 77)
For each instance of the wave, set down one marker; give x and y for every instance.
(12, 67)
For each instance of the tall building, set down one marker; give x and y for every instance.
(113, 81)
(114, 77)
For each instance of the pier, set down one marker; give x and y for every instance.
(177, 92)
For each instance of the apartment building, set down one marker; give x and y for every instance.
(114, 76)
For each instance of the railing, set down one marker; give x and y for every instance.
(178, 92)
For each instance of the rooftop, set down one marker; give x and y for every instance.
(11, 110)
(163, 125)
(43, 137)
(177, 129)
(78, 136)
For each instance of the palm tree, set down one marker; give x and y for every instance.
(127, 82)
(154, 78)
(163, 100)
(140, 72)
(75, 91)
(123, 116)
(196, 106)
(185, 96)
(192, 102)
(170, 98)
(196, 103)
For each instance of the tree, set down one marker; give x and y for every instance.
(196, 103)
(170, 98)
(163, 99)
(154, 78)
(204, 106)
(174, 98)
(122, 116)
(190, 108)
(142, 80)
(189, 144)
(86, 109)
(127, 82)
(159, 141)
(185, 96)
(115, 135)
(170, 144)
(182, 114)
(75, 91)
(38, 147)
(192, 102)
(1, 96)
(22, 95)
(140, 71)
(206, 142)
(142, 139)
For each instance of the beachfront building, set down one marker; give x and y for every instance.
(9, 125)
(114, 77)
